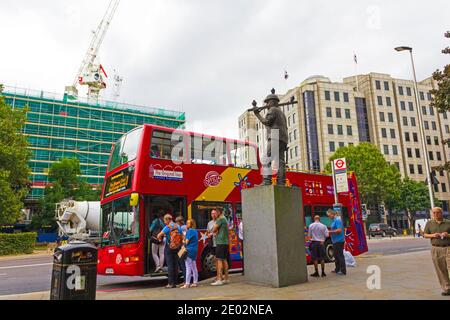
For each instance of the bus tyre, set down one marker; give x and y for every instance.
(329, 252)
(208, 265)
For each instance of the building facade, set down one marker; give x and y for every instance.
(59, 128)
(375, 108)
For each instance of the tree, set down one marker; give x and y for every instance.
(14, 157)
(377, 180)
(65, 183)
(414, 196)
(441, 96)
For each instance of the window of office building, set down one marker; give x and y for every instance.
(444, 115)
(420, 169)
(332, 146)
(403, 105)
(397, 164)
(337, 96)
(327, 95)
(380, 100)
(377, 85)
(411, 169)
(413, 122)
(400, 91)
(417, 153)
(330, 129)
(386, 149)
(349, 130)
(347, 114)
(391, 117)
(444, 187)
(340, 130)
(338, 113)
(407, 137)
(436, 141)
(431, 155)
(388, 101)
(438, 156)
(415, 137)
(429, 96)
(411, 106)
(424, 110)
(433, 125)
(436, 188)
(329, 112)
(429, 140)
(408, 91)
(426, 125)
(447, 128)
(386, 85)
(394, 150)
(346, 98)
(422, 95)
(383, 133)
(341, 144)
(409, 152)
(382, 119)
(393, 135)
(431, 111)
(405, 121)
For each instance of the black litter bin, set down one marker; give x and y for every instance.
(74, 274)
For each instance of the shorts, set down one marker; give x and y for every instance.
(317, 251)
(222, 252)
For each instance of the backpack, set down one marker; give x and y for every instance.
(155, 232)
(176, 238)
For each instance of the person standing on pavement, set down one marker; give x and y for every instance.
(182, 261)
(210, 234)
(171, 250)
(191, 244)
(318, 233)
(337, 233)
(158, 246)
(438, 230)
(222, 248)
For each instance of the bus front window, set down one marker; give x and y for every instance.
(120, 222)
(125, 149)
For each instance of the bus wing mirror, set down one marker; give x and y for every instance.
(134, 200)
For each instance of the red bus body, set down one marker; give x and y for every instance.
(204, 186)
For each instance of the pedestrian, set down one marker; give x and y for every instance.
(191, 244)
(419, 231)
(174, 239)
(210, 233)
(241, 241)
(158, 246)
(222, 248)
(337, 233)
(318, 233)
(438, 230)
(182, 261)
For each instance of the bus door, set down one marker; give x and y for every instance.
(155, 207)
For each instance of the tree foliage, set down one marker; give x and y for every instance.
(441, 98)
(378, 181)
(14, 156)
(414, 196)
(65, 183)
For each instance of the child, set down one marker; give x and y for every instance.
(191, 244)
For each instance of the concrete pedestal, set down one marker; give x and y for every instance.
(274, 236)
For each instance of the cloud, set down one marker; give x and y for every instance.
(212, 58)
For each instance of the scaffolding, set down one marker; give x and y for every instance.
(59, 128)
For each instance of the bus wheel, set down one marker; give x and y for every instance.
(329, 252)
(208, 265)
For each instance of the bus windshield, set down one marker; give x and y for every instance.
(120, 222)
(125, 149)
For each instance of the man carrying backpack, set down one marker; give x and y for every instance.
(174, 240)
(157, 245)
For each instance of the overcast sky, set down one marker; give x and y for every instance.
(211, 58)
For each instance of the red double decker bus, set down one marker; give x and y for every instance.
(155, 169)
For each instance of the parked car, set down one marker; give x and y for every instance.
(382, 229)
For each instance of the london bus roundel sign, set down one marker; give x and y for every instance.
(340, 165)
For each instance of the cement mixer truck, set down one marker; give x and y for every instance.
(79, 220)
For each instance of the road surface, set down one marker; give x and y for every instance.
(33, 274)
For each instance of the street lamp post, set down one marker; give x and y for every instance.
(421, 128)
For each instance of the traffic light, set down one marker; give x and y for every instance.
(364, 211)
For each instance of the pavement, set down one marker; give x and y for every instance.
(407, 276)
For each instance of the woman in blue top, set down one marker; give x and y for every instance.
(191, 244)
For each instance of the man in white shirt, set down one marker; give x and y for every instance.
(318, 233)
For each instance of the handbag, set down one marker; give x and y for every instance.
(155, 240)
(182, 253)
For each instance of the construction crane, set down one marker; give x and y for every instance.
(91, 73)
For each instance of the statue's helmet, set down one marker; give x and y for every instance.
(272, 96)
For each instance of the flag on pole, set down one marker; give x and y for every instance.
(355, 57)
(286, 75)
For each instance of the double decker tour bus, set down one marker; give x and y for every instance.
(155, 169)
